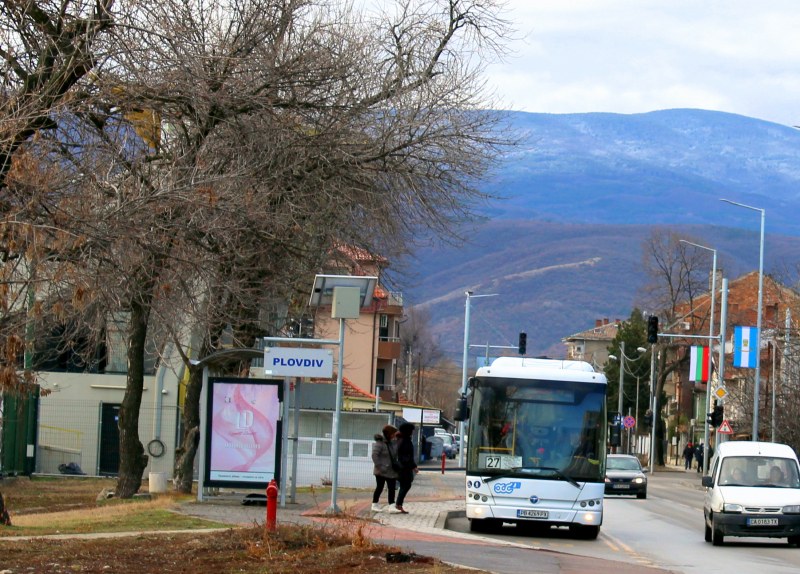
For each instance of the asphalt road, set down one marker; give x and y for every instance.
(664, 531)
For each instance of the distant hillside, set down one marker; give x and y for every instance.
(553, 280)
(563, 247)
(662, 167)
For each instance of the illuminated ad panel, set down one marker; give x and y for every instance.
(244, 431)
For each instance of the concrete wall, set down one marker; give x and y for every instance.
(70, 424)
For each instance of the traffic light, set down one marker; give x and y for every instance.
(652, 329)
(648, 418)
(716, 417)
(523, 343)
(616, 435)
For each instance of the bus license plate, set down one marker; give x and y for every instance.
(762, 522)
(532, 514)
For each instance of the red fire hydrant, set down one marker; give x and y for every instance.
(444, 461)
(272, 506)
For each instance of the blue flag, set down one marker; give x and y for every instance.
(745, 347)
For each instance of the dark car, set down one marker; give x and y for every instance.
(624, 475)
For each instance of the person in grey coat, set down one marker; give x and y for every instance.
(384, 459)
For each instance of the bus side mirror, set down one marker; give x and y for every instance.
(462, 410)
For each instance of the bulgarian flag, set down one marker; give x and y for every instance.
(698, 365)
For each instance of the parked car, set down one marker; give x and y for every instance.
(625, 475)
(753, 489)
(457, 441)
(450, 446)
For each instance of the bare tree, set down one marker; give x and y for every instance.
(420, 354)
(227, 145)
(779, 384)
(46, 48)
(442, 383)
(677, 274)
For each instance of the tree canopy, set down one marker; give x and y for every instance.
(173, 167)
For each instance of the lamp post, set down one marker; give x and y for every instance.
(757, 384)
(621, 359)
(464, 369)
(654, 407)
(772, 385)
(347, 295)
(710, 342)
(636, 415)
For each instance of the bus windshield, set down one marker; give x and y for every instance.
(537, 429)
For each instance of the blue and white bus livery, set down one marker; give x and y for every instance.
(537, 445)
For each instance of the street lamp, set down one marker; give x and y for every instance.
(710, 343)
(464, 369)
(621, 359)
(758, 319)
(347, 295)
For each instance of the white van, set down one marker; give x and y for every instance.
(753, 489)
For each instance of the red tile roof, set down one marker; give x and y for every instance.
(354, 392)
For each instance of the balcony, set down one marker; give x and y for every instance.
(389, 348)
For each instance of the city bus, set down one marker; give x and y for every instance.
(536, 454)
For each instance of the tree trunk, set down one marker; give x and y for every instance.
(660, 442)
(185, 454)
(5, 519)
(132, 458)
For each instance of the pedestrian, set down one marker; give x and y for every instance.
(688, 456)
(699, 453)
(384, 461)
(407, 465)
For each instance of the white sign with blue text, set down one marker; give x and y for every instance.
(297, 362)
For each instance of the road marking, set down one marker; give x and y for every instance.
(616, 545)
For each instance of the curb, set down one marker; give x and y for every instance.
(445, 517)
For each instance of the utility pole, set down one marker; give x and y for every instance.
(621, 383)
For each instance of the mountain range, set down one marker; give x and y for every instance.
(560, 245)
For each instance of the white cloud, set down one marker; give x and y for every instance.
(633, 56)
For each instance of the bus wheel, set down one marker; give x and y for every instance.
(585, 532)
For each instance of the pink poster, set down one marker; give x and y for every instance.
(244, 438)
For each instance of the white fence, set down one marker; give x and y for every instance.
(314, 463)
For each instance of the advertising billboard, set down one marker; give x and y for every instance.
(244, 432)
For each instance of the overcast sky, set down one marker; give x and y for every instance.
(628, 56)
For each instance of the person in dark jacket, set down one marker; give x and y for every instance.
(407, 464)
(688, 456)
(698, 456)
(383, 459)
